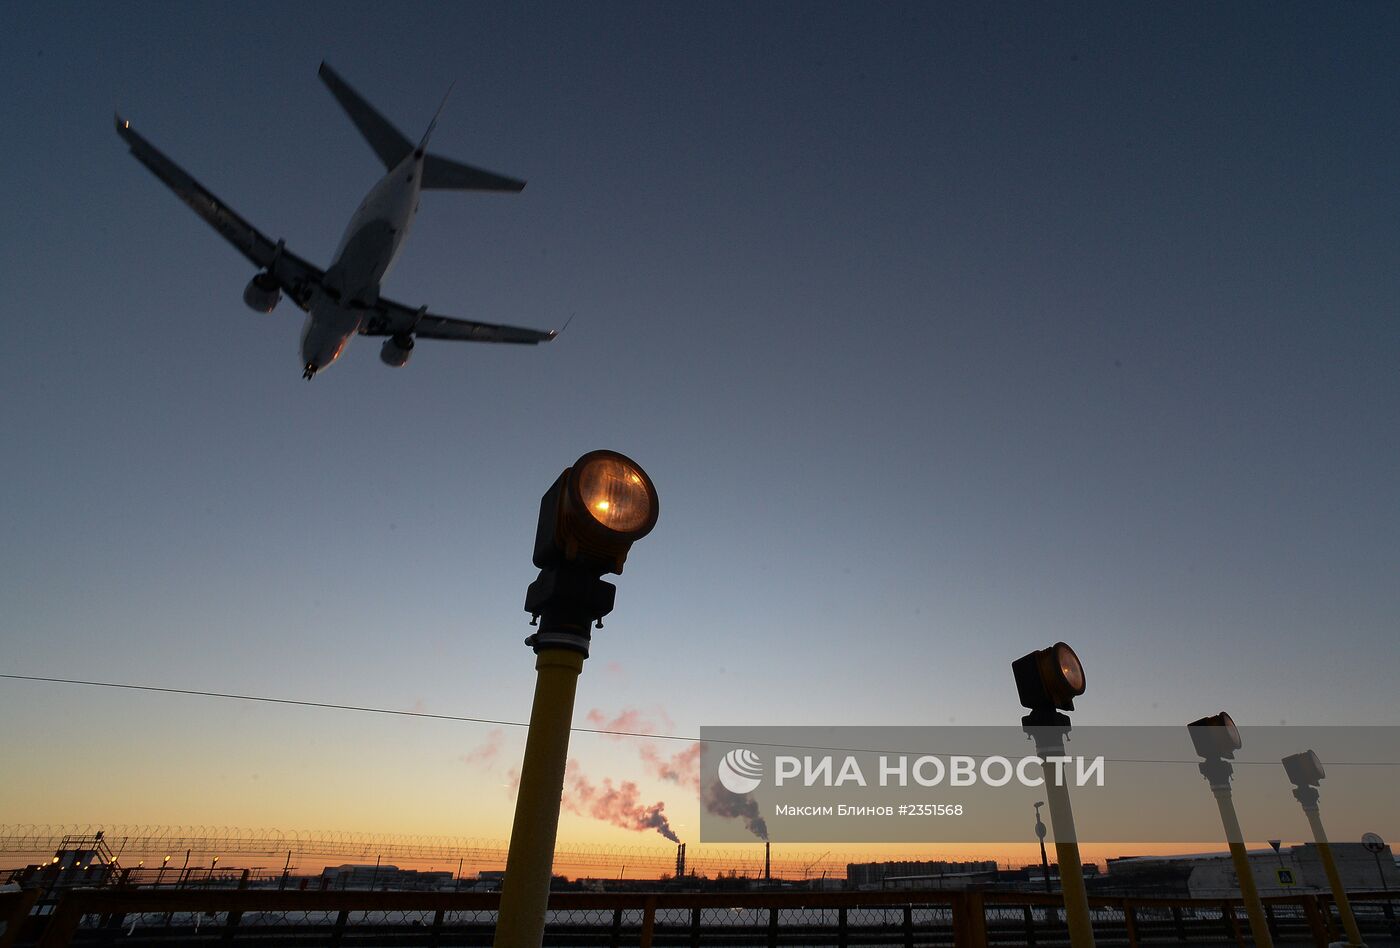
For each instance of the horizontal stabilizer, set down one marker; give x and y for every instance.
(388, 142)
(447, 175)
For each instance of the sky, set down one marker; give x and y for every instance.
(946, 331)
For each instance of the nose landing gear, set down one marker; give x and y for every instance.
(309, 370)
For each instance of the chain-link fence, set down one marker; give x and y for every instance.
(136, 917)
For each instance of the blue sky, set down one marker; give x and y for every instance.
(944, 331)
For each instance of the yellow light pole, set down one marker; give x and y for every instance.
(589, 519)
(530, 862)
(1047, 682)
(1305, 772)
(1081, 929)
(1216, 739)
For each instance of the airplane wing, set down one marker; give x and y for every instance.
(389, 319)
(297, 278)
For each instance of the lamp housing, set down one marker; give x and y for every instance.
(1305, 769)
(1216, 737)
(1050, 678)
(593, 513)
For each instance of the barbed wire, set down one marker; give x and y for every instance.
(154, 842)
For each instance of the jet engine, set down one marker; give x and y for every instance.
(396, 350)
(262, 293)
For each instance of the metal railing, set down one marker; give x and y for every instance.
(970, 919)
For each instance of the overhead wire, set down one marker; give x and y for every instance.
(609, 732)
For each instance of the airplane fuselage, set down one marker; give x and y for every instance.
(367, 251)
(345, 300)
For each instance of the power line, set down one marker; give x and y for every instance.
(580, 730)
(334, 707)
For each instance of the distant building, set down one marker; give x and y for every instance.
(1032, 878)
(1360, 870)
(384, 878)
(489, 880)
(873, 875)
(945, 880)
(1291, 870)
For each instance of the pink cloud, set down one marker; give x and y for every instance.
(632, 721)
(682, 767)
(487, 752)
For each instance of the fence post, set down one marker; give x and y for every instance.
(339, 931)
(1130, 923)
(17, 916)
(843, 932)
(772, 928)
(969, 921)
(236, 915)
(1325, 904)
(436, 938)
(1232, 924)
(695, 927)
(1180, 923)
(1314, 916)
(908, 926)
(1028, 917)
(616, 938)
(648, 922)
(977, 919)
(109, 925)
(63, 923)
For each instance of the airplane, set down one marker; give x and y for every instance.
(344, 299)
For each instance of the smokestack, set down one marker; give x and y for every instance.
(767, 862)
(680, 860)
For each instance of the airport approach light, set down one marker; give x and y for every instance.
(594, 512)
(589, 518)
(1216, 737)
(1305, 772)
(1049, 679)
(1047, 682)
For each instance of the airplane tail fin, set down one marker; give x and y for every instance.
(387, 141)
(444, 174)
(392, 146)
(423, 142)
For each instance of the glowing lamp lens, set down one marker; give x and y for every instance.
(1070, 668)
(615, 494)
(1231, 731)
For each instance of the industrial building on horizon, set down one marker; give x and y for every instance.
(88, 860)
(1286, 870)
(880, 875)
